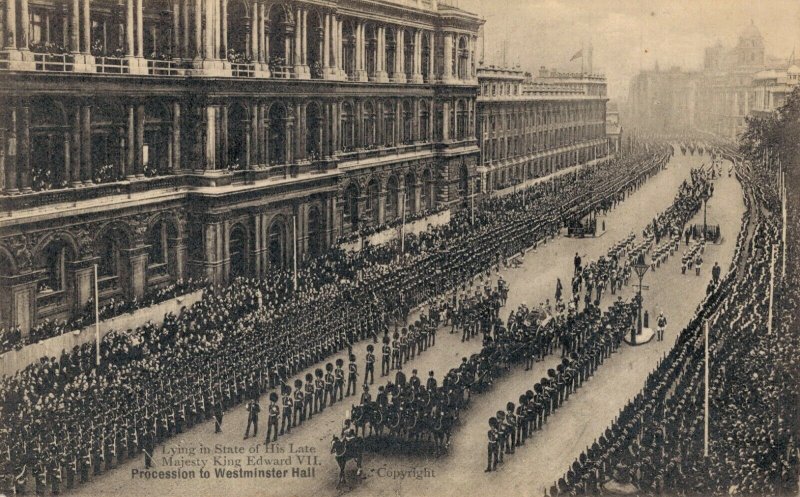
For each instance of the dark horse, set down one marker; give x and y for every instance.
(344, 451)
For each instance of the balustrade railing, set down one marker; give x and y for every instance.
(53, 62)
(162, 67)
(50, 298)
(281, 72)
(243, 70)
(111, 65)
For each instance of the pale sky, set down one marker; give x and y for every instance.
(628, 34)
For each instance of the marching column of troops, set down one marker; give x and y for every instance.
(656, 445)
(66, 419)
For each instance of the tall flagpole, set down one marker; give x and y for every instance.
(96, 317)
(403, 227)
(294, 236)
(783, 232)
(771, 290)
(705, 403)
(472, 201)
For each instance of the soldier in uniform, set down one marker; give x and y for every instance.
(338, 378)
(272, 421)
(366, 397)
(252, 418)
(385, 353)
(502, 433)
(299, 403)
(492, 448)
(329, 382)
(149, 445)
(662, 324)
(319, 391)
(431, 385)
(511, 428)
(288, 409)
(218, 413)
(308, 397)
(369, 369)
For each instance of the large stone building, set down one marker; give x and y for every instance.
(533, 127)
(715, 99)
(168, 139)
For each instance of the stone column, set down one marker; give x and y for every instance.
(24, 149)
(380, 60)
(24, 16)
(130, 156)
(11, 154)
(176, 29)
(75, 27)
(326, 44)
(186, 29)
(447, 70)
(176, 136)
(10, 40)
(361, 53)
(416, 73)
(398, 70)
(139, 28)
(198, 29)
(134, 272)
(211, 138)
(86, 144)
(139, 142)
(224, 34)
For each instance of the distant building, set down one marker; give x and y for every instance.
(532, 127)
(715, 99)
(771, 89)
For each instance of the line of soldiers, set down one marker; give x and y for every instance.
(65, 415)
(656, 445)
(591, 338)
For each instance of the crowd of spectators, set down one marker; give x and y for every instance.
(656, 445)
(65, 417)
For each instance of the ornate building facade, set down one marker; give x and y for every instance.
(715, 99)
(166, 139)
(530, 128)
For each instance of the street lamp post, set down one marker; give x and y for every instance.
(641, 268)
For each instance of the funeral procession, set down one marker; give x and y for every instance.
(399, 248)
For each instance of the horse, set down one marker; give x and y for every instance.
(344, 451)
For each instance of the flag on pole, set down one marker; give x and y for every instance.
(578, 55)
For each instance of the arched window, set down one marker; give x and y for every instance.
(410, 183)
(313, 130)
(281, 40)
(349, 48)
(428, 190)
(463, 181)
(408, 122)
(426, 58)
(369, 125)
(351, 206)
(53, 261)
(237, 248)
(237, 136)
(277, 134)
(315, 44)
(462, 118)
(371, 40)
(392, 198)
(408, 53)
(49, 143)
(110, 246)
(424, 119)
(347, 122)
(315, 231)
(388, 123)
(159, 237)
(277, 244)
(463, 58)
(391, 49)
(239, 48)
(371, 210)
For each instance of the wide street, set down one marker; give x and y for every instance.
(547, 455)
